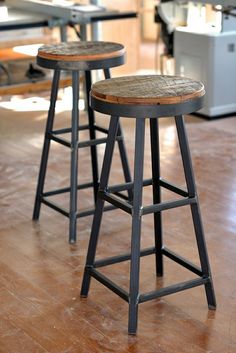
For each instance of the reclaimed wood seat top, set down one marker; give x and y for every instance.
(147, 89)
(81, 51)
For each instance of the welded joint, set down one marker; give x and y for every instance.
(140, 211)
(74, 146)
(137, 299)
(48, 135)
(194, 198)
(103, 190)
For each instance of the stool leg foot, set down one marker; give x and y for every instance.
(133, 319)
(196, 215)
(74, 158)
(155, 151)
(122, 150)
(136, 226)
(202, 249)
(46, 146)
(106, 167)
(92, 136)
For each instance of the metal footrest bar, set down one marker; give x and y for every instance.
(80, 214)
(178, 287)
(68, 130)
(83, 127)
(91, 211)
(82, 144)
(95, 142)
(64, 190)
(182, 261)
(55, 207)
(108, 283)
(167, 185)
(125, 206)
(120, 258)
(80, 128)
(101, 129)
(122, 196)
(173, 289)
(99, 141)
(167, 205)
(90, 143)
(147, 182)
(60, 140)
(126, 186)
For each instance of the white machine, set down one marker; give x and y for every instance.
(208, 53)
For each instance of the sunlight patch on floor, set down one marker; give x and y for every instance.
(36, 103)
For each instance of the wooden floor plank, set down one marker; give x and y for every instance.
(41, 273)
(14, 339)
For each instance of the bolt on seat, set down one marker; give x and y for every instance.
(141, 98)
(76, 58)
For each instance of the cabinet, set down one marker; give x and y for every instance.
(210, 58)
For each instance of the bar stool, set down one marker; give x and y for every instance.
(75, 57)
(153, 97)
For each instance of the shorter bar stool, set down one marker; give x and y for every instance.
(153, 97)
(76, 57)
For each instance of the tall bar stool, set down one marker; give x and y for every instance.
(153, 97)
(76, 57)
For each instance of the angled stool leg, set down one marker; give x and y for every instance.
(136, 226)
(198, 226)
(124, 161)
(106, 167)
(46, 146)
(155, 151)
(122, 150)
(92, 136)
(74, 157)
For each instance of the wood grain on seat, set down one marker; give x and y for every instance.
(81, 51)
(147, 89)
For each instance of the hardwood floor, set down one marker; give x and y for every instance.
(40, 278)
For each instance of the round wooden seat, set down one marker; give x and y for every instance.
(149, 94)
(84, 55)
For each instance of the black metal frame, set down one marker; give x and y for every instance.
(151, 111)
(136, 210)
(42, 197)
(85, 65)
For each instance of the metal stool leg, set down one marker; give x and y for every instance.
(136, 226)
(99, 205)
(124, 161)
(198, 226)
(122, 150)
(92, 135)
(74, 157)
(46, 146)
(155, 151)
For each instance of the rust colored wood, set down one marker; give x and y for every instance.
(31, 87)
(9, 54)
(40, 273)
(81, 51)
(148, 89)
